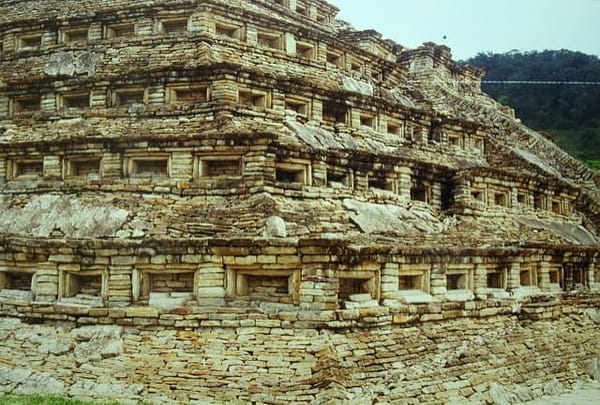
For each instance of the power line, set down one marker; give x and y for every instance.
(541, 82)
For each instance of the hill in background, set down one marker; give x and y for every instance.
(569, 113)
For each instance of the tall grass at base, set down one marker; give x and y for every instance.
(46, 400)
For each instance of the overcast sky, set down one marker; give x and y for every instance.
(473, 26)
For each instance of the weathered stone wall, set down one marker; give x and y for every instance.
(256, 359)
(249, 200)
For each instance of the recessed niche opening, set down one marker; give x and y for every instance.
(29, 168)
(380, 183)
(269, 40)
(149, 167)
(188, 94)
(129, 97)
(394, 128)
(420, 192)
(26, 104)
(352, 286)
(457, 281)
(554, 276)
(15, 281)
(301, 9)
(252, 98)
(574, 276)
(83, 286)
(172, 282)
(527, 278)
(556, 207)
(305, 50)
(78, 100)
(501, 199)
(263, 286)
(88, 167)
(74, 35)
(228, 30)
(367, 121)
(495, 280)
(175, 26)
(335, 59)
(298, 106)
(267, 286)
(538, 202)
(477, 195)
(291, 174)
(337, 179)
(120, 31)
(411, 282)
(224, 166)
(454, 141)
(335, 113)
(169, 289)
(30, 41)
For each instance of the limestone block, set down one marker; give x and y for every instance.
(98, 98)
(181, 165)
(521, 293)
(28, 382)
(69, 64)
(17, 295)
(275, 228)
(289, 43)
(356, 86)
(487, 293)
(97, 343)
(413, 297)
(88, 388)
(48, 102)
(251, 34)
(593, 314)
(4, 105)
(169, 300)
(459, 295)
(593, 368)
(45, 213)
(360, 297)
(210, 292)
(52, 167)
(95, 31)
(362, 304)
(141, 312)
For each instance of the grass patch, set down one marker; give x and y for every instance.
(46, 400)
(594, 164)
(582, 143)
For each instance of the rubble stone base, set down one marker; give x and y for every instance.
(500, 359)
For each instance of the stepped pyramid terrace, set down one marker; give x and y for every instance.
(211, 201)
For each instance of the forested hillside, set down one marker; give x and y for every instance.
(569, 112)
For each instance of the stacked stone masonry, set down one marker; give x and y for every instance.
(354, 220)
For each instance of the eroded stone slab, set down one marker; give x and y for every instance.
(46, 213)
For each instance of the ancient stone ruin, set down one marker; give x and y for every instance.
(207, 201)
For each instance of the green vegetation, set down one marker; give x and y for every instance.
(595, 164)
(45, 400)
(569, 113)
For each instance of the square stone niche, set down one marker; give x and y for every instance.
(279, 286)
(83, 287)
(17, 285)
(171, 288)
(459, 283)
(414, 285)
(496, 283)
(528, 282)
(219, 166)
(359, 288)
